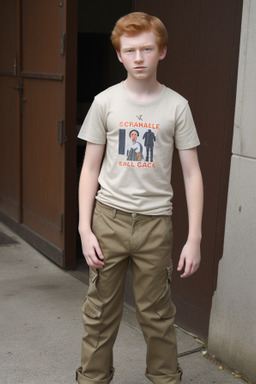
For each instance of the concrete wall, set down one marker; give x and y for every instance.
(232, 335)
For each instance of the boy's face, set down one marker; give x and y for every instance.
(134, 136)
(140, 55)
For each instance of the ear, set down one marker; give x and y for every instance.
(162, 53)
(119, 56)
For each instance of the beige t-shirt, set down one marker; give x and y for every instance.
(139, 137)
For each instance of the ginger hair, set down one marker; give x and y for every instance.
(135, 23)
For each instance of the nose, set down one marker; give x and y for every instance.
(138, 56)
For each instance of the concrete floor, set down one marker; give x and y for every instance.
(41, 327)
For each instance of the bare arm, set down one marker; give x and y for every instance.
(88, 186)
(190, 256)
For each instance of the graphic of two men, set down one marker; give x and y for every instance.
(135, 152)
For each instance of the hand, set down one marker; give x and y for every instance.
(190, 258)
(91, 250)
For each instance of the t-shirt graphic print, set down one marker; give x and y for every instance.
(136, 144)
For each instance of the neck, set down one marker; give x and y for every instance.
(142, 90)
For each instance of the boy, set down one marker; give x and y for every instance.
(131, 221)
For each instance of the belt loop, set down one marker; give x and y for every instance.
(114, 213)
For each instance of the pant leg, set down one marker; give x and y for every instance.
(152, 269)
(103, 306)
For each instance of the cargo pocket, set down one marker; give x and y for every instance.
(164, 305)
(91, 314)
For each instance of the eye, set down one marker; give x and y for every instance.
(129, 50)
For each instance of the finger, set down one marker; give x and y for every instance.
(180, 264)
(99, 253)
(98, 259)
(95, 263)
(187, 270)
(185, 274)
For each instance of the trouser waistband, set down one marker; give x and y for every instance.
(115, 211)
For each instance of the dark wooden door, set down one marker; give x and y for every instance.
(43, 166)
(201, 64)
(46, 142)
(9, 109)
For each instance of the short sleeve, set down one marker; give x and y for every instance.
(185, 136)
(93, 128)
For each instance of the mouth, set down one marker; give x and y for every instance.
(139, 69)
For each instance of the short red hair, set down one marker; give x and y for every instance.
(137, 22)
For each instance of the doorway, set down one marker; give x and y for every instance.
(97, 65)
(201, 64)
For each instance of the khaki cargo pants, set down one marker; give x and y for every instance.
(145, 241)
